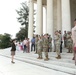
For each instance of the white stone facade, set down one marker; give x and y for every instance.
(60, 15)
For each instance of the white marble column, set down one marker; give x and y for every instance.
(59, 21)
(66, 16)
(39, 20)
(54, 15)
(31, 19)
(44, 20)
(50, 17)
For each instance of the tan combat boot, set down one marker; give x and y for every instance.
(59, 57)
(46, 59)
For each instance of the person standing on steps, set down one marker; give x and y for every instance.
(39, 48)
(74, 37)
(57, 42)
(45, 47)
(33, 44)
(25, 42)
(36, 40)
(13, 49)
(64, 36)
(50, 43)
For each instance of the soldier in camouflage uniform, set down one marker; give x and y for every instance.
(65, 35)
(42, 38)
(36, 40)
(54, 43)
(69, 42)
(45, 47)
(50, 43)
(57, 42)
(39, 48)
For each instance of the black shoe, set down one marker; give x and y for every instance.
(12, 62)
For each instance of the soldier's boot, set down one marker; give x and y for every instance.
(46, 59)
(58, 57)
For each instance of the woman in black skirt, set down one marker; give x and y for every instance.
(13, 49)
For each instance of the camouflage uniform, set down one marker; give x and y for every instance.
(66, 40)
(69, 43)
(45, 48)
(39, 49)
(54, 43)
(57, 42)
(36, 40)
(50, 43)
(65, 35)
(42, 38)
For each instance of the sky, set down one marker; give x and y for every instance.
(8, 16)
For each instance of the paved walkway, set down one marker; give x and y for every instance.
(28, 64)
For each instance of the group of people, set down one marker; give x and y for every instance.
(68, 42)
(44, 43)
(23, 45)
(40, 44)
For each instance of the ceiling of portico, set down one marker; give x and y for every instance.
(43, 2)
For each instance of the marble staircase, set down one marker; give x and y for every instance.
(65, 64)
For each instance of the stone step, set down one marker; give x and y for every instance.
(66, 64)
(52, 65)
(52, 61)
(52, 57)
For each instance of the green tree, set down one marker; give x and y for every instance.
(21, 34)
(23, 13)
(5, 40)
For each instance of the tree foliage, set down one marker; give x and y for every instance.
(5, 40)
(21, 34)
(23, 13)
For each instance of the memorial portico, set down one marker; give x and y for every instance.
(60, 15)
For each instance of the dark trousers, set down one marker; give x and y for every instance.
(24, 48)
(61, 46)
(32, 46)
